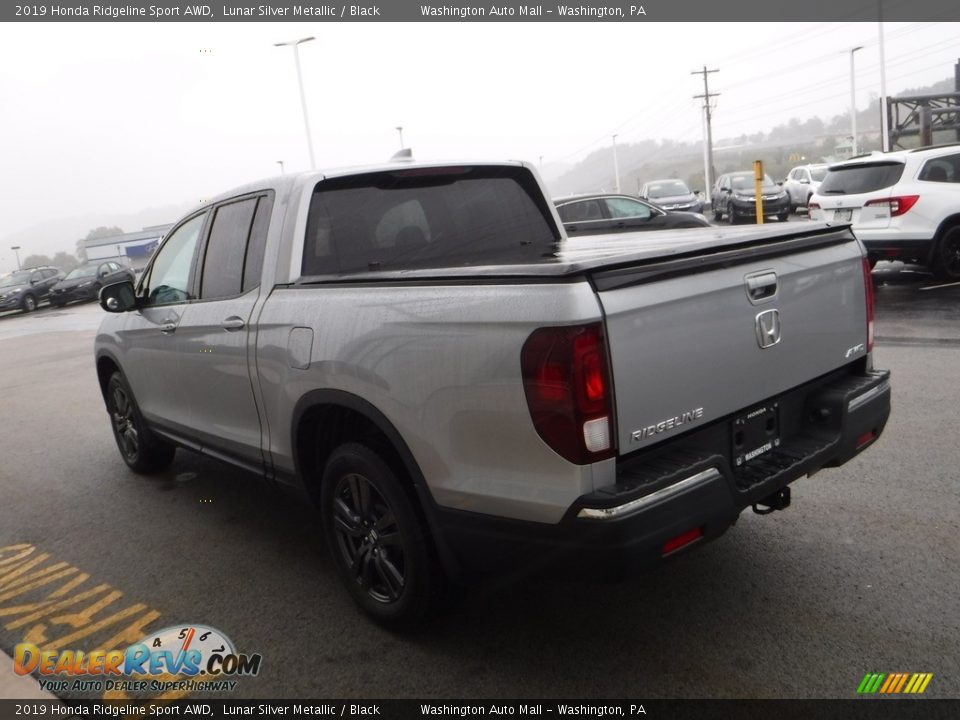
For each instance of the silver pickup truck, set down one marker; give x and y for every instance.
(456, 383)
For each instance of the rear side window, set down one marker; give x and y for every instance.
(223, 262)
(944, 169)
(427, 217)
(234, 253)
(854, 179)
(580, 211)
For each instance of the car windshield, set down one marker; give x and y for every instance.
(82, 272)
(745, 181)
(17, 278)
(667, 188)
(818, 174)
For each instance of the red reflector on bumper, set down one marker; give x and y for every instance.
(865, 438)
(682, 540)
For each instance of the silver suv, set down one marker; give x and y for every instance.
(802, 182)
(902, 205)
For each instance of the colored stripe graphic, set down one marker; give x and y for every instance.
(894, 683)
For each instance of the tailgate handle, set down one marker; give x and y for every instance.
(762, 286)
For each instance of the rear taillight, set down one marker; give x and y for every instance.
(812, 206)
(567, 384)
(868, 290)
(897, 205)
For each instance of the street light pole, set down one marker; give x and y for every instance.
(303, 98)
(853, 104)
(884, 118)
(16, 250)
(616, 168)
(400, 130)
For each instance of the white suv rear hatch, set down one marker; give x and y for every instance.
(858, 194)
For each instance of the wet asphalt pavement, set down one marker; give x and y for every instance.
(860, 575)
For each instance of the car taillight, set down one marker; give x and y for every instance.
(813, 206)
(567, 384)
(897, 205)
(868, 290)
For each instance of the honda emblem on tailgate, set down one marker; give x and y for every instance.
(768, 328)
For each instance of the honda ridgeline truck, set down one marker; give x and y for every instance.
(455, 382)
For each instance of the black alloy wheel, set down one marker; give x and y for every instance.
(368, 538)
(139, 448)
(29, 303)
(947, 261)
(376, 537)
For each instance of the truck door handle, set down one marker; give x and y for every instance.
(762, 286)
(232, 323)
(168, 328)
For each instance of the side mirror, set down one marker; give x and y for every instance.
(724, 189)
(696, 192)
(118, 297)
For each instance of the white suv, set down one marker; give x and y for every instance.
(903, 205)
(802, 182)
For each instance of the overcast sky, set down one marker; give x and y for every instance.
(108, 119)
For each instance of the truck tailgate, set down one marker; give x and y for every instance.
(689, 345)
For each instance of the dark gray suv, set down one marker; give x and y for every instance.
(27, 288)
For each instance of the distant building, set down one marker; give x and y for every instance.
(132, 249)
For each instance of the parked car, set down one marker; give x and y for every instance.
(734, 196)
(672, 194)
(459, 387)
(903, 205)
(802, 182)
(602, 213)
(27, 288)
(84, 282)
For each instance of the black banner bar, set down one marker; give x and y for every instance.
(429, 11)
(866, 708)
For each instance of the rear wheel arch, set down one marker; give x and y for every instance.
(324, 420)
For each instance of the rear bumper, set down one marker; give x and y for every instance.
(686, 487)
(886, 249)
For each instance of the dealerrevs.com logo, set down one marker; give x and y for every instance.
(201, 659)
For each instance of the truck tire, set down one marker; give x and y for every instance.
(376, 537)
(946, 261)
(140, 449)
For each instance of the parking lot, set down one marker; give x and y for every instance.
(859, 575)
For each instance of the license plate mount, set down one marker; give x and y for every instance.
(755, 433)
(843, 214)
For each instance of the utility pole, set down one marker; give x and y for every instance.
(853, 105)
(708, 161)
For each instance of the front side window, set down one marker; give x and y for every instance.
(169, 280)
(626, 208)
